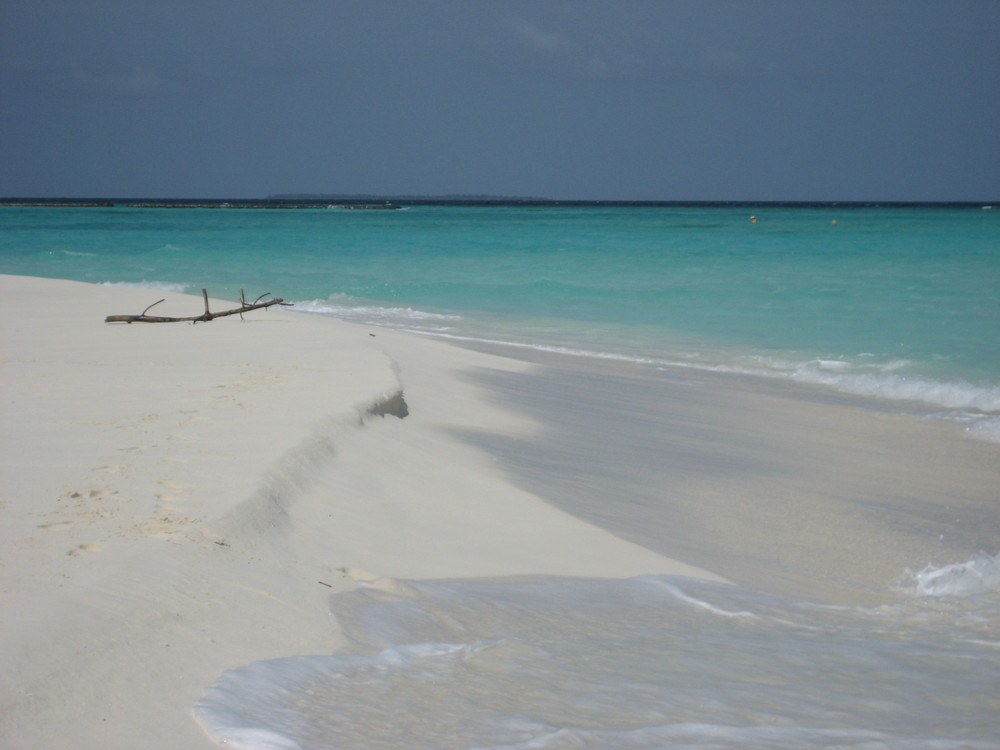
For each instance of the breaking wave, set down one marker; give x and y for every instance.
(377, 315)
(977, 575)
(888, 380)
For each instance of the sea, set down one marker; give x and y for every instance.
(899, 304)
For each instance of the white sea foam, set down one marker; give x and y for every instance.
(374, 314)
(567, 350)
(161, 286)
(890, 383)
(975, 406)
(987, 428)
(694, 601)
(979, 574)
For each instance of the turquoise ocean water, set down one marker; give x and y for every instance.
(902, 304)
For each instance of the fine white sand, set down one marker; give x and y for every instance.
(180, 499)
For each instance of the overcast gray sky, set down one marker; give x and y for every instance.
(583, 99)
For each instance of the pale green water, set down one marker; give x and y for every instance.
(902, 303)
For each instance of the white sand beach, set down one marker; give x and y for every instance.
(157, 517)
(182, 499)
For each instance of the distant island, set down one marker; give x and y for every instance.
(369, 197)
(390, 202)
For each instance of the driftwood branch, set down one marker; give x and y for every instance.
(206, 316)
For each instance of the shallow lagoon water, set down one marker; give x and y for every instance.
(900, 303)
(649, 662)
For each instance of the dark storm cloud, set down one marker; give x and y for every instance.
(584, 99)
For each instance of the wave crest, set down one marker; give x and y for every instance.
(886, 380)
(977, 575)
(372, 314)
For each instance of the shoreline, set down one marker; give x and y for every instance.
(791, 488)
(181, 500)
(972, 410)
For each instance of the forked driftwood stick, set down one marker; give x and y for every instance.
(206, 316)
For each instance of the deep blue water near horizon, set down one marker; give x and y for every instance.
(899, 303)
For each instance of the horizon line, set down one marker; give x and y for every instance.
(312, 198)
